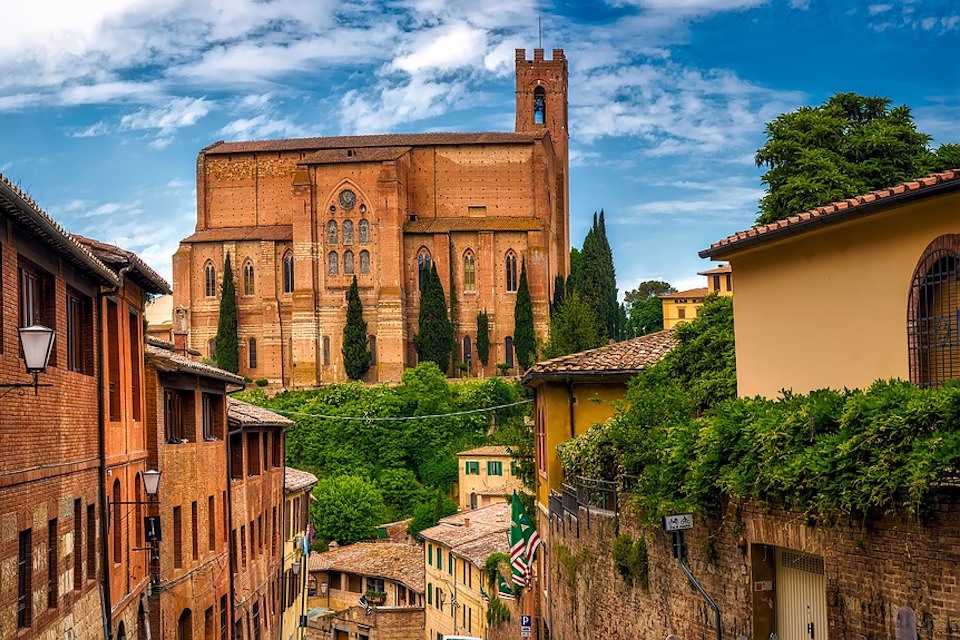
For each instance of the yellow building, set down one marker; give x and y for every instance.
(487, 475)
(867, 288)
(454, 554)
(296, 523)
(683, 306)
(571, 394)
(389, 574)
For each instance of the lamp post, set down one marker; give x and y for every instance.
(36, 342)
(151, 528)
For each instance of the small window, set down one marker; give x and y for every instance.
(211, 524)
(332, 232)
(209, 280)
(347, 232)
(682, 312)
(252, 353)
(178, 417)
(348, 264)
(467, 350)
(195, 529)
(117, 523)
(77, 544)
(729, 282)
(25, 580)
(364, 262)
(539, 106)
(333, 264)
(212, 348)
(53, 558)
(212, 416)
(177, 538)
(716, 283)
(248, 278)
(511, 272)
(508, 351)
(376, 585)
(236, 456)
(472, 468)
(79, 333)
(494, 468)
(363, 229)
(326, 351)
(469, 272)
(253, 454)
(424, 261)
(288, 272)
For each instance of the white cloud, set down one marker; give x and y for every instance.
(442, 48)
(874, 9)
(261, 126)
(692, 6)
(177, 113)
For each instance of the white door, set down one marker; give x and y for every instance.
(801, 590)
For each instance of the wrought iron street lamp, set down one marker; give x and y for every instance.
(36, 342)
(151, 482)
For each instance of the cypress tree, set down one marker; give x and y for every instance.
(356, 355)
(559, 293)
(483, 338)
(524, 341)
(611, 307)
(596, 279)
(435, 337)
(228, 338)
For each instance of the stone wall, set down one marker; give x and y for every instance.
(383, 623)
(872, 570)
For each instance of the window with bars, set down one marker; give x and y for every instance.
(177, 538)
(25, 580)
(77, 544)
(53, 555)
(223, 618)
(933, 314)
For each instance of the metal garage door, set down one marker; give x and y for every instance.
(801, 596)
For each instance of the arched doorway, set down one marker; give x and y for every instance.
(933, 314)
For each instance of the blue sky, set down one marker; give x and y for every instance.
(105, 104)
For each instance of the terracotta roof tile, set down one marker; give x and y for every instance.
(485, 223)
(833, 213)
(168, 360)
(724, 268)
(700, 292)
(398, 561)
(379, 140)
(363, 154)
(241, 413)
(489, 450)
(295, 481)
(453, 532)
(275, 233)
(117, 258)
(620, 358)
(22, 208)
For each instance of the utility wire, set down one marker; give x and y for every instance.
(399, 418)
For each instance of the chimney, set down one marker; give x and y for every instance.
(332, 545)
(466, 522)
(180, 330)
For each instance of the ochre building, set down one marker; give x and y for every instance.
(301, 218)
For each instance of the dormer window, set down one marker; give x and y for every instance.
(539, 106)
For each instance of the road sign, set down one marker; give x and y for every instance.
(678, 522)
(525, 624)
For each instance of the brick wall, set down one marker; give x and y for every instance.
(871, 569)
(384, 623)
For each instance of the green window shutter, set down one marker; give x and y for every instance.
(429, 554)
(429, 594)
(494, 468)
(450, 562)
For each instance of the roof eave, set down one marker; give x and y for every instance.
(868, 208)
(609, 375)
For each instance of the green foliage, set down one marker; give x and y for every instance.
(846, 146)
(402, 493)
(435, 338)
(428, 514)
(630, 560)
(497, 563)
(591, 455)
(574, 328)
(596, 279)
(228, 338)
(524, 341)
(261, 382)
(575, 261)
(646, 290)
(644, 308)
(559, 293)
(483, 338)
(347, 509)
(356, 355)
(517, 435)
(497, 612)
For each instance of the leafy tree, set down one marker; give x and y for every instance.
(524, 340)
(228, 338)
(402, 492)
(347, 509)
(573, 329)
(429, 513)
(846, 146)
(559, 292)
(644, 308)
(435, 337)
(647, 289)
(483, 337)
(356, 355)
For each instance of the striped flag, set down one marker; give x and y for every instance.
(483, 594)
(524, 541)
(504, 590)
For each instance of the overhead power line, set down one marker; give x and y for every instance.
(398, 418)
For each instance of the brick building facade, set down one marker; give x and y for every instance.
(300, 218)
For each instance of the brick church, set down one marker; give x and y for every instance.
(301, 217)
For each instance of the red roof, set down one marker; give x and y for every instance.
(700, 292)
(379, 140)
(836, 212)
(274, 232)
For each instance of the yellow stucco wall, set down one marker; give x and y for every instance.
(467, 590)
(293, 554)
(671, 311)
(828, 308)
(480, 483)
(593, 404)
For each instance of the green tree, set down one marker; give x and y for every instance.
(429, 513)
(347, 509)
(559, 293)
(596, 280)
(524, 340)
(356, 354)
(846, 146)
(435, 337)
(228, 337)
(576, 259)
(402, 492)
(573, 329)
(647, 289)
(483, 337)
(644, 308)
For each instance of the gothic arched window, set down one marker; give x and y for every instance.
(332, 232)
(185, 625)
(469, 272)
(424, 261)
(933, 325)
(511, 271)
(333, 264)
(347, 232)
(364, 262)
(467, 350)
(508, 351)
(288, 272)
(209, 279)
(539, 106)
(248, 278)
(363, 230)
(348, 263)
